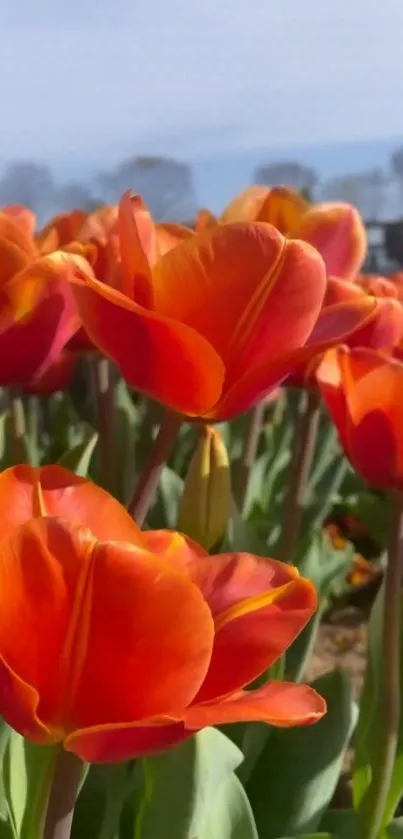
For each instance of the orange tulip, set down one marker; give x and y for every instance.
(335, 229)
(349, 316)
(202, 328)
(38, 314)
(281, 206)
(118, 643)
(363, 392)
(60, 230)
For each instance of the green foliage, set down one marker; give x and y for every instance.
(296, 774)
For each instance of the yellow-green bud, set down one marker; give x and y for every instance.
(205, 503)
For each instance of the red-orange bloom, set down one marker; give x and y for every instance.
(118, 643)
(335, 229)
(215, 323)
(352, 317)
(37, 311)
(363, 392)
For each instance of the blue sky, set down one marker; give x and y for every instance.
(84, 83)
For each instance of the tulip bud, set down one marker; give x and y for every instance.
(205, 503)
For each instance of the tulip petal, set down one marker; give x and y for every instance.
(245, 206)
(283, 207)
(373, 384)
(61, 230)
(335, 324)
(328, 377)
(176, 548)
(14, 233)
(169, 235)
(166, 360)
(205, 219)
(41, 564)
(150, 639)
(116, 743)
(384, 330)
(25, 217)
(219, 282)
(12, 260)
(336, 230)
(296, 294)
(63, 495)
(39, 316)
(138, 249)
(339, 291)
(114, 610)
(282, 704)
(256, 619)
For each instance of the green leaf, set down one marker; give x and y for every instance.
(298, 655)
(311, 836)
(179, 785)
(295, 777)
(100, 803)
(6, 830)
(78, 459)
(395, 829)
(241, 536)
(27, 775)
(341, 824)
(164, 513)
(229, 814)
(371, 712)
(125, 423)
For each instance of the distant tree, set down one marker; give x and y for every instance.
(365, 190)
(396, 162)
(72, 195)
(29, 183)
(286, 173)
(166, 185)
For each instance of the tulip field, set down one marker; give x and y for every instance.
(201, 460)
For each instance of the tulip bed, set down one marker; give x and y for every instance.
(184, 415)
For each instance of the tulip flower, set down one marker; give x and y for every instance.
(335, 229)
(117, 643)
(215, 323)
(352, 317)
(281, 206)
(363, 393)
(37, 310)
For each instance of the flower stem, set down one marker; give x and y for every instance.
(18, 426)
(305, 434)
(149, 478)
(63, 795)
(389, 683)
(251, 442)
(105, 398)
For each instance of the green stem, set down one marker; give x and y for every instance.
(305, 434)
(105, 398)
(251, 442)
(18, 426)
(374, 804)
(63, 796)
(149, 478)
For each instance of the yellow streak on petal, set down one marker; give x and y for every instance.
(251, 604)
(38, 501)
